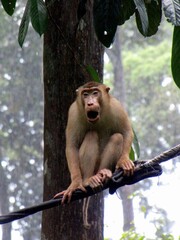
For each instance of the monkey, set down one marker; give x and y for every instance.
(98, 138)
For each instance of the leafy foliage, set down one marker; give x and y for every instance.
(172, 11)
(38, 15)
(141, 16)
(108, 15)
(35, 11)
(9, 6)
(147, 21)
(131, 235)
(24, 24)
(175, 60)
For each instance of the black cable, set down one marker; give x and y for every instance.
(118, 180)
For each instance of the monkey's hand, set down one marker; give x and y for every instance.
(126, 164)
(67, 194)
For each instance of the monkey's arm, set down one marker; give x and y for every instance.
(126, 130)
(72, 155)
(72, 143)
(76, 178)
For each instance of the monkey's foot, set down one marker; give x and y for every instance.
(67, 194)
(106, 174)
(97, 180)
(94, 181)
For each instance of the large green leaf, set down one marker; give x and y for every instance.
(127, 9)
(106, 16)
(9, 6)
(175, 60)
(172, 11)
(38, 13)
(141, 17)
(154, 13)
(23, 28)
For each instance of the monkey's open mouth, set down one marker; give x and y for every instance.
(92, 116)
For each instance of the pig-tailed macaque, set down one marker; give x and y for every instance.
(98, 138)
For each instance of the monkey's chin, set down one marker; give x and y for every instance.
(94, 120)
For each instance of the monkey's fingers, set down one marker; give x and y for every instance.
(66, 195)
(58, 194)
(95, 181)
(128, 168)
(106, 174)
(81, 187)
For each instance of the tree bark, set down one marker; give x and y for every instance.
(127, 204)
(69, 45)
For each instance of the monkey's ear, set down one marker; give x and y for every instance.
(77, 90)
(107, 89)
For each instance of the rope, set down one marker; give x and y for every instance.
(143, 169)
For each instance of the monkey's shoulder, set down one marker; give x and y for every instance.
(117, 109)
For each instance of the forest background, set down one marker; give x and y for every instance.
(149, 94)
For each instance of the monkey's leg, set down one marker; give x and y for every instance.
(89, 154)
(112, 152)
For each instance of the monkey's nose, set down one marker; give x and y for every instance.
(90, 103)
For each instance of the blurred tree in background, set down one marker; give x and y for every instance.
(139, 72)
(21, 123)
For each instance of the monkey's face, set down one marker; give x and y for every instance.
(91, 101)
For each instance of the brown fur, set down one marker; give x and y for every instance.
(98, 138)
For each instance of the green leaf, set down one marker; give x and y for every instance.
(141, 17)
(9, 6)
(132, 154)
(127, 9)
(154, 13)
(172, 11)
(92, 72)
(38, 13)
(175, 60)
(136, 144)
(135, 149)
(23, 28)
(106, 17)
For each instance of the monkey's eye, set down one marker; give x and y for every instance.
(85, 94)
(95, 93)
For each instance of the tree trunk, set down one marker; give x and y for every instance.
(127, 204)
(69, 45)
